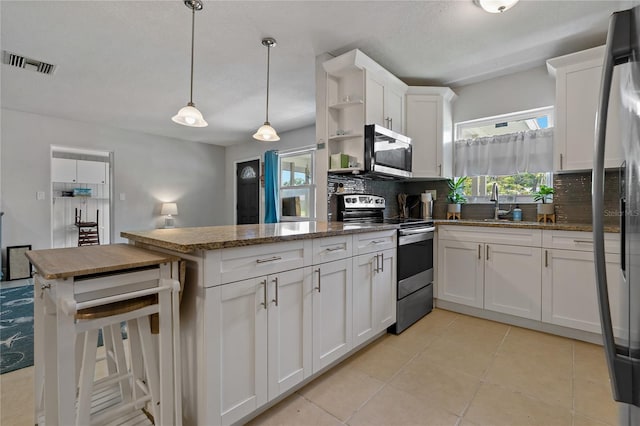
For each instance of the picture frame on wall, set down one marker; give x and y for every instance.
(18, 265)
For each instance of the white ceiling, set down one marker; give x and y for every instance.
(126, 63)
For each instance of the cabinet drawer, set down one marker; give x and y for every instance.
(580, 241)
(240, 263)
(332, 248)
(492, 235)
(374, 241)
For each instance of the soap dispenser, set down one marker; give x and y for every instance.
(517, 213)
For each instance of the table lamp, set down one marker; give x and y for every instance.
(170, 210)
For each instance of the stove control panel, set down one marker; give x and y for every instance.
(363, 201)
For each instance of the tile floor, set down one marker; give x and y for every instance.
(448, 369)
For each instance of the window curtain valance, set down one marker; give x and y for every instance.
(513, 153)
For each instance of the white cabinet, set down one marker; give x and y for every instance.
(461, 272)
(66, 170)
(512, 280)
(384, 102)
(569, 291)
(578, 78)
(374, 294)
(429, 124)
(332, 312)
(261, 346)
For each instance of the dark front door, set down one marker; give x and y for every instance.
(248, 192)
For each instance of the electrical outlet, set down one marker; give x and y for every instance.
(433, 193)
(40, 195)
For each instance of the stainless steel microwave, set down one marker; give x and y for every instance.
(386, 152)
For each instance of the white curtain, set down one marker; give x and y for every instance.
(530, 151)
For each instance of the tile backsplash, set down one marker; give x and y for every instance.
(572, 198)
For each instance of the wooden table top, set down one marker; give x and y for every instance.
(76, 261)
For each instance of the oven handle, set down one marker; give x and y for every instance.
(415, 238)
(416, 231)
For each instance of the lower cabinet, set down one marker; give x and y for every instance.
(569, 290)
(461, 272)
(332, 312)
(261, 340)
(512, 280)
(374, 294)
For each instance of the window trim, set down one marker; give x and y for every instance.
(311, 149)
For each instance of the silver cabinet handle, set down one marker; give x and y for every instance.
(487, 252)
(546, 258)
(560, 161)
(439, 169)
(377, 242)
(479, 248)
(271, 259)
(583, 241)
(335, 248)
(319, 278)
(275, 280)
(381, 262)
(264, 283)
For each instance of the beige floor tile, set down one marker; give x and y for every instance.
(579, 420)
(548, 379)
(394, 407)
(590, 363)
(487, 327)
(594, 400)
(379, 360)
(495, 405)
(450, 354)
(16, 401)
(413, 340)
(478, 334)
(342, 391)
(531, 343)
(437, 319)
(295, 411)
(449, 389)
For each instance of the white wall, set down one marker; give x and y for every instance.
(147, 169)
(305, 136)
(520, 91)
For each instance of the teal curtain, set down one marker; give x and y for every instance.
(271, 187)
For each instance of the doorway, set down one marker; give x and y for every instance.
(248, 192)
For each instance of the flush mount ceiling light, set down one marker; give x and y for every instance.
(266, 133)
(189, 115)
(496, 6)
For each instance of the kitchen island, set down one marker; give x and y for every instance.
(267, 308)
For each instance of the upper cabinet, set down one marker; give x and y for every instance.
(429, 124)
(78, 171)
(577, 92)
(359, 92)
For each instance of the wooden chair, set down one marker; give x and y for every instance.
(88, 232)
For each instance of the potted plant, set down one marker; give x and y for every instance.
(456, 196)
(544, 194)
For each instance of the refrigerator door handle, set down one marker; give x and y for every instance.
(618, 50)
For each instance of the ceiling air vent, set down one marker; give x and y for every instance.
(19, 61)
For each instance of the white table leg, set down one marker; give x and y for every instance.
(66, 357)
(50, 340)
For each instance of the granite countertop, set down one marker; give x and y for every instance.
(186, 240)
(87, 260)
(583, 227)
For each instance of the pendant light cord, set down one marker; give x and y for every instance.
(268, 63)
(193, 25)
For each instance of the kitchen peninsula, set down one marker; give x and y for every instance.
(268, 307)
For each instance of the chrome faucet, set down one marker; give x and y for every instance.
(495, 197)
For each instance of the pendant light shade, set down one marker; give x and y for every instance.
(496, 6)
(189, 115)
(266, 133)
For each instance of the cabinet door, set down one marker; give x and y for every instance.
(512, 280)
(93, 172)
(393, 109)
(461, 272)
(569, 295)
(374, 90)
(332, 312)
(425, 132)
(63, 170)
(384, 291)
(237, 345)
(289, 322)
(364, 272)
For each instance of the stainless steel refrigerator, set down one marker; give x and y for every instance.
(622, 353)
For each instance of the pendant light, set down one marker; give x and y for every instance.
(496, 6)
(266, 133)
(189, 115)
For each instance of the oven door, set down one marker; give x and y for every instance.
(415, 260)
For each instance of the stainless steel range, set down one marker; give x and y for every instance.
(415, 255)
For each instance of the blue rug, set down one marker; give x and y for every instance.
(16, 328)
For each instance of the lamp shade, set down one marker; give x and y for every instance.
(496, 6)
(190, 116)
(266, 133)
(169, 209)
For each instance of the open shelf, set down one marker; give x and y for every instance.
(352, 170)
(343, 137)
(342, 105)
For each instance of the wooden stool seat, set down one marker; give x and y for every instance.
(116, 308)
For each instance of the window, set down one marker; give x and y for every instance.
(514, 188)
(297, 186)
